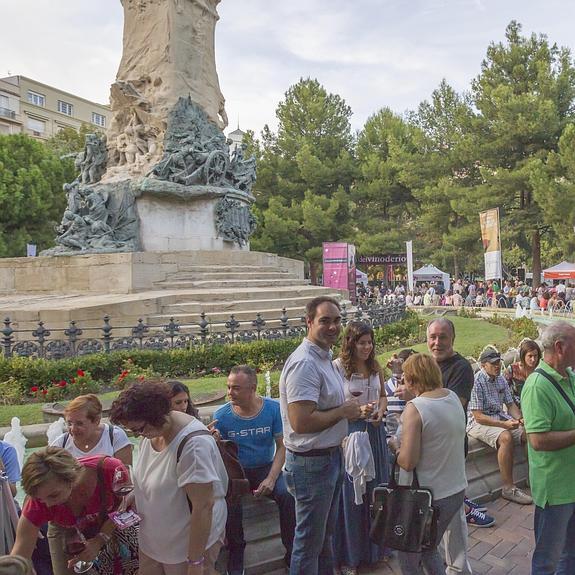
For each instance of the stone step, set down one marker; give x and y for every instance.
(239, 305)
(216, 275)
(229, 267)
(251, 292)
(233, 283)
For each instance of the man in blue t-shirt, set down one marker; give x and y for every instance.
(255, 424)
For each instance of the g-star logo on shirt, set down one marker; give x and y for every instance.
(248, 432)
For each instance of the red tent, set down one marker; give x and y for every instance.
(562, 271)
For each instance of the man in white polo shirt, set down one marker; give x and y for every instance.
(314, 414)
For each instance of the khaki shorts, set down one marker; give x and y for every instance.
(489, 434)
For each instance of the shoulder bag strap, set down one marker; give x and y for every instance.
(557, 387)
(102, 487)
(111, 434)
(65, 440)
(185, 440)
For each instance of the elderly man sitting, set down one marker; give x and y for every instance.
(492, 424)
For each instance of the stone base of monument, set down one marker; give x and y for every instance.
(217, 218)
(154, 286)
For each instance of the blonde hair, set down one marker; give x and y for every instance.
(423, 372)
(90, 403)
(46, 464)
(16, 565)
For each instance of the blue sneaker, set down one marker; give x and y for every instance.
(470, 503)
(479, 519)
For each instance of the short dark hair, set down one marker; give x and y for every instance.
(149, 401)
(247, 370)
(312, 305)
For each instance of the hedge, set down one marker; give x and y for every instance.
(105, 367)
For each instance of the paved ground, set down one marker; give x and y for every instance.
(501, 550)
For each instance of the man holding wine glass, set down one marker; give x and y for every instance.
(315, 414)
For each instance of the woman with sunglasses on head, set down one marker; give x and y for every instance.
(75, 495)
(88, 435)
(432, 442)
(180, 483)
(357, 359)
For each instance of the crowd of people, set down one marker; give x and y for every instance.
(318, 453)
(465, 293)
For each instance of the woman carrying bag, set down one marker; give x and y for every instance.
(432, 440)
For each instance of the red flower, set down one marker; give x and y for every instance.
(216, 370)
(141, 378)
(34, 389)
(44, 391)
(80, 373)
(62, 384)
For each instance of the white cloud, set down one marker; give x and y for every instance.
(373, 53)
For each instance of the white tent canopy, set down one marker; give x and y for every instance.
(564, 270)
(430, 273)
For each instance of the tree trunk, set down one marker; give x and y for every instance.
(313, 273)
(536, 255)
(455, 267)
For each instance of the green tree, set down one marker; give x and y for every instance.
(31, 179)
(525, 97)
(305, 173)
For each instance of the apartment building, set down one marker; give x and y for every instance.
(41, 111)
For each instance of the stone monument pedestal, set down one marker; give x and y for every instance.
(174, 217)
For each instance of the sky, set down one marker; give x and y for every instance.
(372, 53)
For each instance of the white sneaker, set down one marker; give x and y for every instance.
(516, 495)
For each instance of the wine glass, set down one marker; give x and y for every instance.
(122, 482)
(357, 385)
(74, 544)
(373, 399)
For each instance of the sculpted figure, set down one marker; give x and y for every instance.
(171, 44)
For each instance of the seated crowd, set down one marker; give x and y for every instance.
(318, 453)
(464, 293)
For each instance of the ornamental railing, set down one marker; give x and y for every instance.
(43, 342)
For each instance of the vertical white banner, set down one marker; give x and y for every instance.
(491, 238)
(409, 249)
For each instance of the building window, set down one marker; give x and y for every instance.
(4, 129)
(65, 108)
(4, 101)
(98, 119)
(37, 126)
(36, 98)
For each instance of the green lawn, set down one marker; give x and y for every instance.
(471, 334)
(32, 412)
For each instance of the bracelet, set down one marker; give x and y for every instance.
(104, 536)
(197, 562)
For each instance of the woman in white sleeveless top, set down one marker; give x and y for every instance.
(432, 441)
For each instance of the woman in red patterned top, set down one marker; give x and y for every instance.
(517, 373)
(69, 492)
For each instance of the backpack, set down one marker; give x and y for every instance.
(238, 484)
(110, 433)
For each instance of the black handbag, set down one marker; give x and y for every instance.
(404, 517)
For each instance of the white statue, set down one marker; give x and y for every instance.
(268, 379)
(16, 439)
(55, 429)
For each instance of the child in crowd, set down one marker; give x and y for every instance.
(395, 405)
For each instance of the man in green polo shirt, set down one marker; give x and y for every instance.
(550, 426)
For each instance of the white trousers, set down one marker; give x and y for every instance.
(455, 544)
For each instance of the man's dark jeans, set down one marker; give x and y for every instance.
(234, 526)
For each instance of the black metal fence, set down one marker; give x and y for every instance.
(72, 341)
